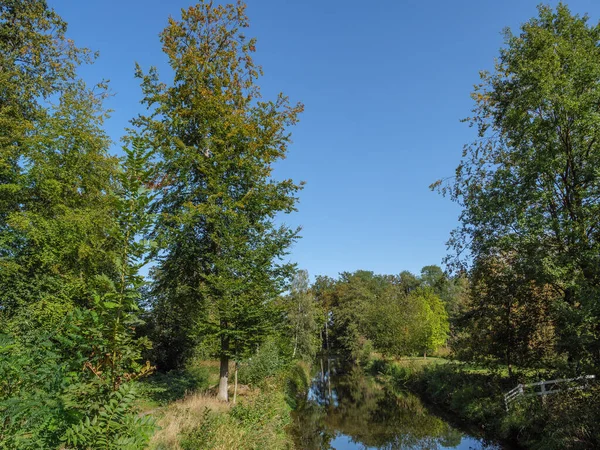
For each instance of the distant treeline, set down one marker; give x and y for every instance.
(395, 315)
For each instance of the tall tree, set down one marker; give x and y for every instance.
(304, 317)
(324, 291)
(530, 183)
(509, 317)
(56, 174)
(453, 291)
(67, 285)
(430, 324)
(221, 261)
(355, 295)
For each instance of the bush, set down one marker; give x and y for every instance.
(45, 398)
(400, 375)
(256, 422)
(568, 420)
(204, 435)
(265, 363)
(117, 425)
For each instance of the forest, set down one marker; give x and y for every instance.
(147, 298)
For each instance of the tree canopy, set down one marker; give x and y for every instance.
(529, 184)
(222, 254)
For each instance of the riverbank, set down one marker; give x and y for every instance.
(475, 396)
(190, 417)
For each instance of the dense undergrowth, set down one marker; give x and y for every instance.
(190, 417)
(475, 396)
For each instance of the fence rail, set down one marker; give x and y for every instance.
(546, 388)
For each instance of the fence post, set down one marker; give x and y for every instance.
(543, 386)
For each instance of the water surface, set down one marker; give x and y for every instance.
(348, 410)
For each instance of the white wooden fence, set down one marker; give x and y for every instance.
(546, 387)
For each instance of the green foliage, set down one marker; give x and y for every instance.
(56, 176)
(511, 317)
(566, 420)
(257, 422)
(474, 396)
(529, 185)
(528, 235)
(434, 329)
(266, 362)
(304, 318)
(220, 265)
(116, 426)
(352, 296)
(32, 409)
(45, 397)
(297, 380)
(202, 436)
(392, 315)
(71, 287)
(164, 388)
(51, 385)
(399, 374)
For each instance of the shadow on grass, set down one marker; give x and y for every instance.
(167, 387)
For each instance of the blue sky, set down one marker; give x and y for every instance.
(384, 83)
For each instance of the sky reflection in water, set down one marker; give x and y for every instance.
(351, 411)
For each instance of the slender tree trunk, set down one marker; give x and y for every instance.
(297, 329)
(322, 371)
(235, 383)
(329, 378)
(295, 345)
(326, 335)
(223, 395)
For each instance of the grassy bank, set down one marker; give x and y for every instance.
(475, 396)
(190, 417)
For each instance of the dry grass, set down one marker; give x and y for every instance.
(259, 423)
(183, 415)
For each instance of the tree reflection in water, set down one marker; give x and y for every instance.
(352, 411)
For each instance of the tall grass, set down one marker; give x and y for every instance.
(258, 420)
(568, 420)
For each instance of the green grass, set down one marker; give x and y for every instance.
(475, 395)
(163, 388)
(190, 417)
(419, 361)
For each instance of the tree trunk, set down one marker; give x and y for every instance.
(295, 345)
(297, 329)
(326, 335)
(322, 371)
(329, 378)
(235, 383)
(223, 394)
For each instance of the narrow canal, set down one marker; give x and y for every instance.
(348, 410)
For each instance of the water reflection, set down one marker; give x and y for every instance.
(352, 411)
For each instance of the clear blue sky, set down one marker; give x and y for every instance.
(385, 84)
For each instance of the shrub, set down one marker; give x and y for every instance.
(116, 426)
(265, 363)
(256, 422)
